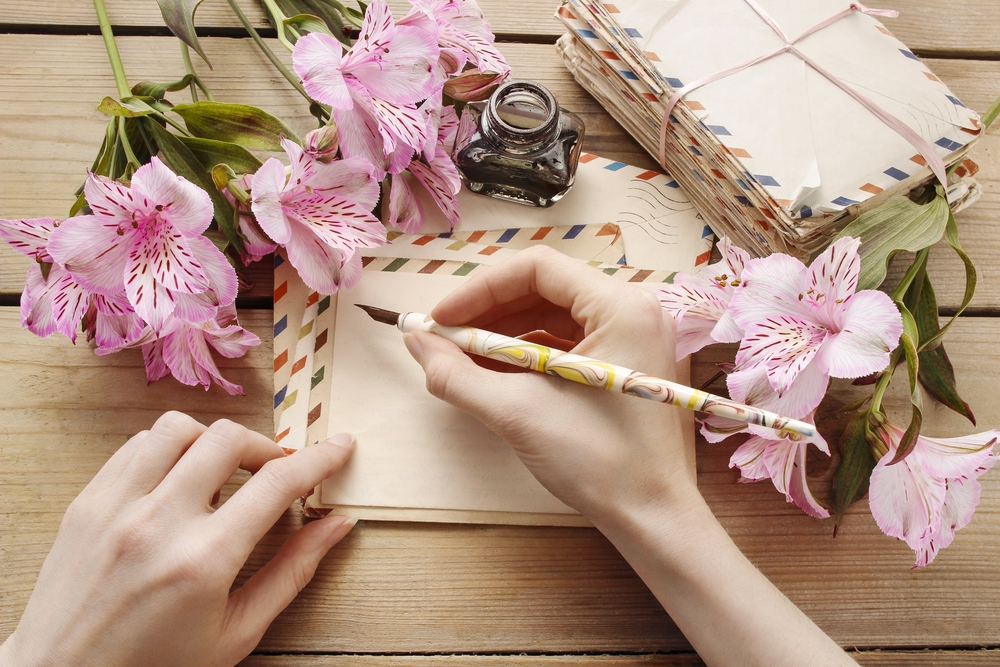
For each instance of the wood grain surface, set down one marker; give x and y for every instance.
(432, 595)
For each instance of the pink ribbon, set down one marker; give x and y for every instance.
(923, 147)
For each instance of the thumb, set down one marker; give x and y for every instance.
(253, 607)
(456, 379)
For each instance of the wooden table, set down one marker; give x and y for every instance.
(415, 595)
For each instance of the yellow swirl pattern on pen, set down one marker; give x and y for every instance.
(523, 354)
(593, 373)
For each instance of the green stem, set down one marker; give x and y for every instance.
(112, 48)
(189, 68)
(126, 146)
(279, 24)
(280, 66)
(884, 380)
(919, 264)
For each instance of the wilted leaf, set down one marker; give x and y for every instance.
(183, 162)
(129, 107)
(856, 465)
(211, 152)
(893, 227)
(236, 123)
(179, 17)
(158, 90)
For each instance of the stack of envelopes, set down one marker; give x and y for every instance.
(775, 155)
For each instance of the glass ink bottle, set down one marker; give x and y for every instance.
(523, 147)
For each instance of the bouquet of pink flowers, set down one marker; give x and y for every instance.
(176, 199)
(799, 326)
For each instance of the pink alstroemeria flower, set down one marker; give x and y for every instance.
(465, 34)
(183, 350)
(59, 302)
(321, 213)
(796, 317)
(147, 238)
(373, 89)
(438, 175)
(931, 493)
(699, 303)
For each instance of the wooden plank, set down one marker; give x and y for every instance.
(879, 659)
(45, 147)
(429, 588)
(962, 28)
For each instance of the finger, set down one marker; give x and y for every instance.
(213, 458)
(589, 295)
(112, 470)
(254, 508)
(162, 447)
(253, 607)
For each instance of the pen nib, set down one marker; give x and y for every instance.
(380, 314)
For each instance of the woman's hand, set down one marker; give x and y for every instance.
(596, 451)
(141, 570)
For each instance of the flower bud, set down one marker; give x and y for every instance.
(322, 144)
(473, 86)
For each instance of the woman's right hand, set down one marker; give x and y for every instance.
(597, 451)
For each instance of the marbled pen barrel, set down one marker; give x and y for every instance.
(601, 374)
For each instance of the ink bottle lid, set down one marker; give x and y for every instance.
(524, 149)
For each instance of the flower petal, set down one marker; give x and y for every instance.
(317, 59)
(109, 199)
(951, 458)
(152, 355)
(405, 211)
(442, 181)
(340, 223)
(717, 429)
(169, 257)
(36, 304)
(770, 286)
(960, 502)
(750, 459)
(871, 329)
(151, 300)
(404, 123)
(361, 136)
(220, 273)
(69, 302)
(752, 387)
(833, 277)
(267, 185)
(786, 464)
(906, 500)
(92, 251)
(29, 236)
(318, 264)
(783, 344)
(179, 202)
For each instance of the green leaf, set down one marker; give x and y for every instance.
(991, 115)
(211, 152)
(306, 23)
(129, 107)
(237, 123)
(158, 90)
(936, 373)
(909, 341)
(178, 15)
(856, 465)
(971, 279)
(183, 162)
(895, 226)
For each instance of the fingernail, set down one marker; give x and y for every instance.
(341, 530)
(414, 347)
(341, 440)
